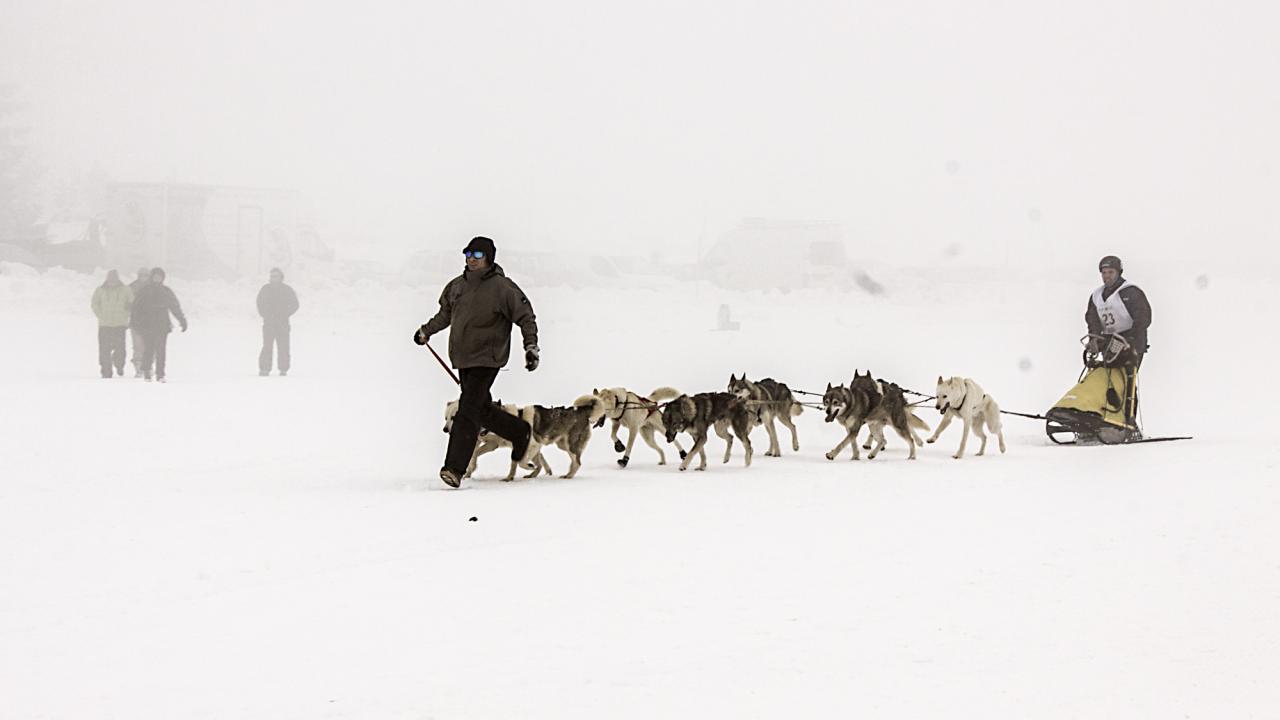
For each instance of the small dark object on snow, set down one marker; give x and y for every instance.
(473, 518)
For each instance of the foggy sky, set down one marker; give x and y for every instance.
(1022, 130)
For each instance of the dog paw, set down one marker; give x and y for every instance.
(830, 456)
(622, 462)
(700, 469)
(931, 440)
(957, 456)
(683, 454)
(618, 446)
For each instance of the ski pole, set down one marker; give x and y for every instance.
(443, 364)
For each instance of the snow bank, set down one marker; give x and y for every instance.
(234, 546)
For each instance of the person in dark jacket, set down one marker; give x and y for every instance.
(144, 277)
(111, 304)
(1119, 308)
(151, 311)
(277, 302)
(480, 306)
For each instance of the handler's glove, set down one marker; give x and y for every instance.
(531, 358)
(421, 336)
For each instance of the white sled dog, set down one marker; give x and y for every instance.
(488, 442)
(640, 415)
(963, 398)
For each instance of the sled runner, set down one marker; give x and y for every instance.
(1102, 409)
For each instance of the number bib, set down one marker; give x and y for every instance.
(1114, 315)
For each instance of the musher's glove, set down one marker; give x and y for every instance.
(531, 358)
(1117, 347)
(421, 336)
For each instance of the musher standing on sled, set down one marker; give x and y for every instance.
(481, 305)
(1119, 308)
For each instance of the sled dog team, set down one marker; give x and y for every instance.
(733, 413)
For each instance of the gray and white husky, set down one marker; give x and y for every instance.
(640, 415)
(696, 414)
(771, 400)
(488, 442)
(963, 398)
(871, 403)
(568, 428)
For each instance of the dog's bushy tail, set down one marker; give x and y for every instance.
(664, 394)
(914, 421)
(796, 409)
(594, 403)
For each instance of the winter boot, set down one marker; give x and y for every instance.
(450, 478)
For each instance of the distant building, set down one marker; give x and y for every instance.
(206, 230)
(761, 254)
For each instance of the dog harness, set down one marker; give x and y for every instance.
(1112, 312)
(644, 402)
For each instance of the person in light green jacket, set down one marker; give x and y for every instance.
(112, 302)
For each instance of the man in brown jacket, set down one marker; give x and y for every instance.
(481, 305)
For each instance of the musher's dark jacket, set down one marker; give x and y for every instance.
(481, 308)
(1135, 301)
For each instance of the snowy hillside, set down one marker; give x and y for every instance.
(230, 546)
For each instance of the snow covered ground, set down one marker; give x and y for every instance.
(229, 546)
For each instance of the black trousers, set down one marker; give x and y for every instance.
(154, 350)
(274, 336)
(476, 410)
(111, 350)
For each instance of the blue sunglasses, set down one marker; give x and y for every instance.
(477, 254)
